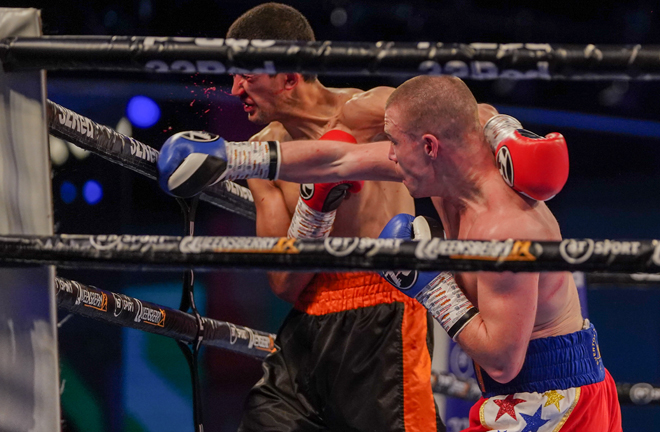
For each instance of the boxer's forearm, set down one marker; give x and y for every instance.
(329, 161)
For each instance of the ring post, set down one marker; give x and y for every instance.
(29, 377)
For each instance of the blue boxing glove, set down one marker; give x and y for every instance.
(408, 227)
(193, 160)
(436, 291)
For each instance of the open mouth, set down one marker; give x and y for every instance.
(248, 107)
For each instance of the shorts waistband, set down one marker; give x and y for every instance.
(553, 363)
(336, 292)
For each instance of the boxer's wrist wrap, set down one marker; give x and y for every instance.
(447, 303)
(499, 127)
(310, 223)
(253, 159)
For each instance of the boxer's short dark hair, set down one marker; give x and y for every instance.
(273, 21)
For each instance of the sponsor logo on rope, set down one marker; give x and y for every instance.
(656, 253)
(209, 66)
(143, 151)
(237, 244)
(341, 246)
(122, 303)
(65, 285)
(76, 122)
(505, 165)
(239, 190)
(480, 69)
(115, 242)
(150, 316)
(493, 250)
(576, 251)
(614, 247)
(264, 343)
(92, 299)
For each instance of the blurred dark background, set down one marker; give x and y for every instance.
(120, 380)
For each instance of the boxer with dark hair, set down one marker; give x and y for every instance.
(350, 336)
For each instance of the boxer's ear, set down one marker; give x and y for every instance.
(431, 145)
(291, 80)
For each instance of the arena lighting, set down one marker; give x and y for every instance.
(142, 111)
(68, 192)
(92, 192)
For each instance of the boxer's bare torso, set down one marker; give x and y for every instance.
(364, 214)
(361, 114)
(506, 214)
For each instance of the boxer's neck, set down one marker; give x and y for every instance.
(310, 107)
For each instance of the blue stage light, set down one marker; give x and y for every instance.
(68, 192)
(92, 192)
(142, 111)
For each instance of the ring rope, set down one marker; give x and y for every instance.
(231, 56)
(622, 280)
(467, 389)
(147, 252)
(136, 156)
(125, 311)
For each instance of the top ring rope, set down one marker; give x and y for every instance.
(231, 56)
(333, 253)
(136, 156)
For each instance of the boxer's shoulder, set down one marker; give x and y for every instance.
(366, 110)
(275, 131)
(511, 224)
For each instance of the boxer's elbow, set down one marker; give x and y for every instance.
(505, 365)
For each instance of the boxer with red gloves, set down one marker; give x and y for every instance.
(533, 165)
(537, 360)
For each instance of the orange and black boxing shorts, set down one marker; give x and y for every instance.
(354, 355)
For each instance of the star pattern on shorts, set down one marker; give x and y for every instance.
(507, 406)
(553, 398)
(534, 422)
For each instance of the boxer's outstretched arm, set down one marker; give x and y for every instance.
(330, 161)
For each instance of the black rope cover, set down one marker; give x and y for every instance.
(125, 311)
(336, 253)
(228, 56)
(136, 156)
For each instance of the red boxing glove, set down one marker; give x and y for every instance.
(326, 197)
(532, 165)
(316, 209)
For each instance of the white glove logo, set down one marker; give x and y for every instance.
(402, 280)
(307, 191)
(199, 136)
(505, 165)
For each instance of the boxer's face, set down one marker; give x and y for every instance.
(260, 95)
(407, 153)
